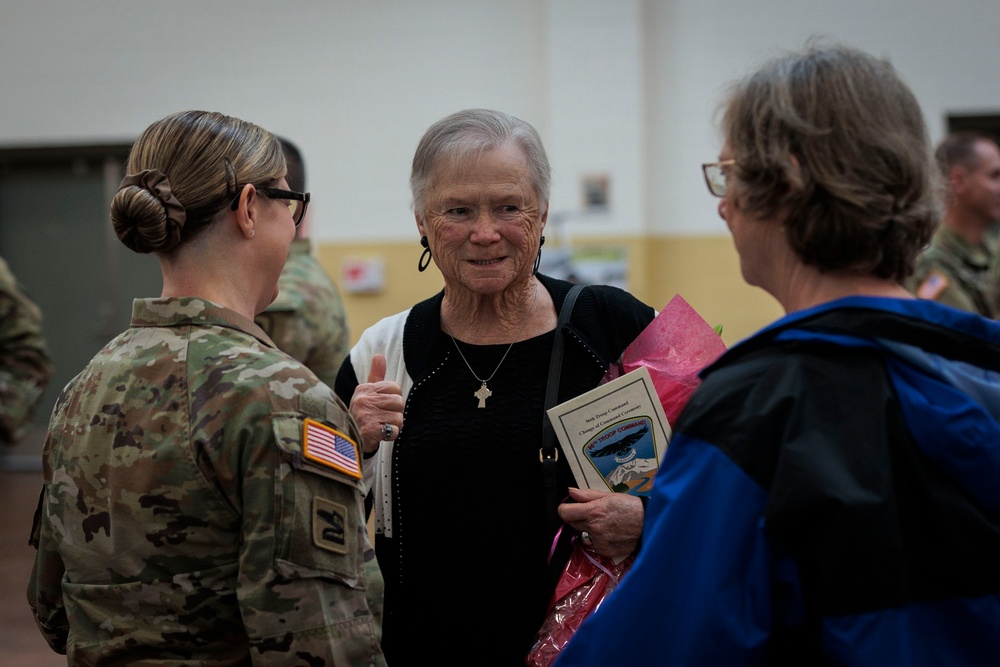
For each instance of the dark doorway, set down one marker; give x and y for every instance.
(56, 236)
(989, 123)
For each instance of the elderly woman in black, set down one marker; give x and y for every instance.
(463, 523)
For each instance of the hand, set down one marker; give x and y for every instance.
(613, 520)
(377, 402)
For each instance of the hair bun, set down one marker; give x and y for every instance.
(145, 226)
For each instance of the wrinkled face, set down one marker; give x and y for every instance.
(755, 239)
(483, 220)
(980, 190)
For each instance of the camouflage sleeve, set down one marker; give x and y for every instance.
(934, 280)
(45, 584)
(317, 337)
(280, 326)
(25, 364)
(309, 585)
(332, 346)
(341, 346)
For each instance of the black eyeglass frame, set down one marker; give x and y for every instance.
(277, 193)
(717, 167)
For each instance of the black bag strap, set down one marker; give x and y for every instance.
(549, 453)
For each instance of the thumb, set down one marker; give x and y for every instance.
(585, 495)
(377, 371)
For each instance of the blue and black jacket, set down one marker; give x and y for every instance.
(831, 496)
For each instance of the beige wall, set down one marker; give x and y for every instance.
(703, 270)
(628, 89)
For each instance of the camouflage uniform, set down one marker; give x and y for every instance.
(308, 320)
(198, 508)
(25, 364)
(956, 273)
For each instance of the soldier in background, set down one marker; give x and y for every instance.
(960, 266)
(202, 501)
(25, 364)
(307, 320)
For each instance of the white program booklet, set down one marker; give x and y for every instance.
(614, 436)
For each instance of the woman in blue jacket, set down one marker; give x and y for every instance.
(830, 495)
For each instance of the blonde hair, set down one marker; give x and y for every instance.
(188, 152)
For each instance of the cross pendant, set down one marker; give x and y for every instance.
(482, 394)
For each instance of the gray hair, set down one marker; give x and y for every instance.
(834, 136)
(469, 133)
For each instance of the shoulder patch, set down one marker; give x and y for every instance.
(330, 448)
(328, 525)
(932, 286)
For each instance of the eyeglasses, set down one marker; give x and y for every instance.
(297, 201)
(715, 176)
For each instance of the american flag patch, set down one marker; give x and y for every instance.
(932, 286)
(330, 448)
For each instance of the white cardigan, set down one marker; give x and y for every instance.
(384, 337)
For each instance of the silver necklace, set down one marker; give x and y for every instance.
(484, 392)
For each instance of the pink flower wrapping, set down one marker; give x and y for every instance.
(675, 347)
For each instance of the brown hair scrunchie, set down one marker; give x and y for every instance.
(156, 182)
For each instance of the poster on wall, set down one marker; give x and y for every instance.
(587, 265)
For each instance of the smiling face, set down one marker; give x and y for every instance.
(483, 220)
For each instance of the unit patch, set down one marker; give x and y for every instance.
(330, 448)
(329, 521)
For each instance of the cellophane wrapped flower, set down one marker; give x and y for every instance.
(675, 347)
(585, 582)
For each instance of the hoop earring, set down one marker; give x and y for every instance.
(425, 257)
(538, 260)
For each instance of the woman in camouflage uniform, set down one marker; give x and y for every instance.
(203, 497)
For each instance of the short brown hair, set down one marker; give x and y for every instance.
(959, 148)
(833, 136)
(296, 174)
